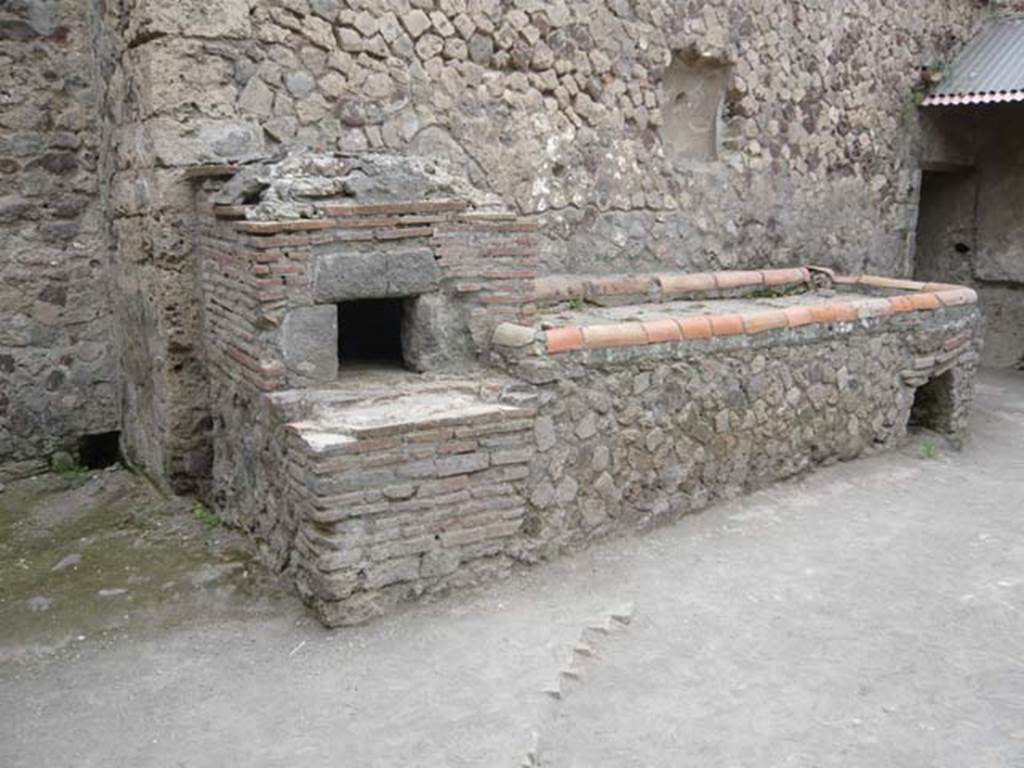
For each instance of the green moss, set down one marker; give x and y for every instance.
(72, 473)
(204, 515)
(776, 292)
(128, 537)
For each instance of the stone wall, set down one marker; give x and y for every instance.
(58, 370)
(558, 108)
(155, 122)
(579, 113)
(561, 109)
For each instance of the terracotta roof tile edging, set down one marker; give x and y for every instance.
(924, 297)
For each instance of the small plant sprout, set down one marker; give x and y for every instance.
(929, 450)
(204, 515)
(73, 472)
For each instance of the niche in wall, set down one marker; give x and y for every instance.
(99, 451)
(933, 404)
(694, 94)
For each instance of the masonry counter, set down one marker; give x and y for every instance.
(403, 406)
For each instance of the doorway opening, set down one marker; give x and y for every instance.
(946, 226)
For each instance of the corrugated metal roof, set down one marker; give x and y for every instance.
(989, 70)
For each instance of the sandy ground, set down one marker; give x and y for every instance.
(867, 615)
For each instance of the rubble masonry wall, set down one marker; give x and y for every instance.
(58, 366)
(560, 108)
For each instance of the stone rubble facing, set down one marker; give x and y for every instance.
(639, 435)
(564, 110)
(59, 377)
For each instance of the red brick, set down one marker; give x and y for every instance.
(391, 209)
(758, 322)
(925, 301)
(659, 331)
(276, 227)
(675, 285)
(890, 282)
(785, 276)
(797, 316)
(399, 234)
(615, 286)
(616, 335)
(694, 328)
(845, 312)
(564, 339)
(738, 279)
(901, 304)
(822, 313)
(725, 325)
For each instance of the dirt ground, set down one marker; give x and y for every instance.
(868, 614)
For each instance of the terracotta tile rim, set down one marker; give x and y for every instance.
(920, 297)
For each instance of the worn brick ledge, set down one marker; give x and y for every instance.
(375, 220)
(602, 289)
(916, 297)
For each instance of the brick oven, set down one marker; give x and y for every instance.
(356, 434)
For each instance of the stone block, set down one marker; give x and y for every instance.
(256, 98)
(434, 335)
(190, 18)
(511, 335)
(309, 340)
(172, 75)
(341, 276)
(412, 272)
(202, 141)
